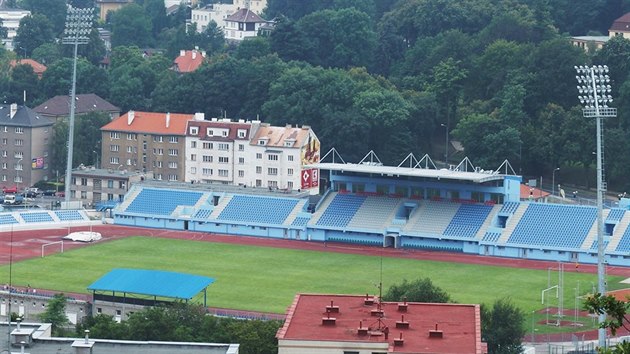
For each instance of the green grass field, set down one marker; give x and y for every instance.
(267, 279)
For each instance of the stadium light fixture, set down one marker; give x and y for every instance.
(594, 94)
(77, 31)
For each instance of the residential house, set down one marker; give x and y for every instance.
(589, 43)
(252, 154)
(11, 21)
(25, 138)
(189, 60)
(202, 16)
(242, 24)
(38, 68)
(106, 6)
(365, 325)
(94, 185)
(146, 141)
(58, 107)
(620, 27)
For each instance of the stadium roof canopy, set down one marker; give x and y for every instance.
(478, 176)
(152, 282)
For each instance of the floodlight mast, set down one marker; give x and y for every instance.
(77, 31)
(595, 95)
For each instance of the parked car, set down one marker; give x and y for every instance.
(49, 192)
(30, 194)
(13, 199)
(9, 190)
(60, 194)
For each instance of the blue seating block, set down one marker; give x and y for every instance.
(341, 210)
(161, 201)
(68, 215)
(468, 220)
(36, 217)
(257, 209)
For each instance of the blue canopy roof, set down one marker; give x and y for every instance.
(152, 282)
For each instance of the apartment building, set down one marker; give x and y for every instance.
(146, 141)
(24, 146)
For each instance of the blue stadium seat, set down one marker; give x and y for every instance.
(161, 201)
(68, 215)
(300, 221)
(468, 220)
(341, 210)
(6, 219)
(30, 217)
(256, 209)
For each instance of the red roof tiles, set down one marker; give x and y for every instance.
(460, 325)
(38, 68)
(151, 123)
(189, 60)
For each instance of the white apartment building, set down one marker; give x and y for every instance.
(251, 154)
(11, 21)
(219, 13)
(258, 6)
(214, 12)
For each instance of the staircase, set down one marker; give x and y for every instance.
(484, 227)
(620, 229)
(293, 214)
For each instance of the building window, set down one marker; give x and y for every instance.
(207, 158)
(172, 152)
(224, 159)
(110, 183)
(121, 184)
(129, 149)
(159, 164)
(5, 129)
(4, 178)
(114, 148)
(5, 141)
(261, 142)
(258, 183)
(193, 144)
(158, 176)
(19, 130)
(84, 181)
(172, 165)
(223, 173)
(206, 172)
(258, 156)
(193, 157)
(259, 169)
(272, 184)
(272, 171)
(194, 130)
(241, 173)
(18, 166)
(131, 136)
(193, 170)
(4, 165)
(207, 146)
(272, 157)
(114, 135)
(17, 179)
(19, 142)
(209, 132)
(290, 158)
(158, 138)
(114, 160)
(4, 153)
(290, 185)
(241, 160)
(241, 147)
(172, 177)
(160, 152)
(241, 133)
(224, 147)
(173, 139)
(83, 194)
(290, 172)
(19, 154)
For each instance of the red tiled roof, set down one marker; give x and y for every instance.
(622, 24)
(245, 15)
(190, 61)
(536, 192)
(232, 126)
(460, 324)
(151, 123)
(276, 136)
(38, 68)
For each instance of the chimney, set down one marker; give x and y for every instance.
(436, 333)
(402, 323)
(402, 307)
(182, 53)
(194, 54)
(130, 116)
(328, 321)
(362, 331)
(332, 308)
(168, 119)
(83, 346)
(14, 108)
(203, 53)
(200, 116)
(399, 342)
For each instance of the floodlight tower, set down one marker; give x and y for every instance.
(77, 31)
(595, 95)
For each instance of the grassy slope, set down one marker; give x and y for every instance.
(267, 279)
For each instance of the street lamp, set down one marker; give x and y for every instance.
(78, 28)
(553, 181)
(445, 143)
(595, 95)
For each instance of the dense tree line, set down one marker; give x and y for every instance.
(398, 75)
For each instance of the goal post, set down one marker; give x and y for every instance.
(51, 244)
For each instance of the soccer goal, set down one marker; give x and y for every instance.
(48, 245)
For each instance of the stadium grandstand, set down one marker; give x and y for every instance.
(413, 206)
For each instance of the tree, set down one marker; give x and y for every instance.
(47, 53)
(53, 10)
(56, 80)
(419, 290)
(252, 48)
(23, 79)
(131, 26)
(502, 327)
(34, 31)
(616, 312)
(55, 314)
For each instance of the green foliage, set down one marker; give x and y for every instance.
(53, 10)
(47, 53)
(87, 141)
(182, 322)
(55, 314)
(57, 79)
(131, 25)
(34, 31)
(419, 290)
(503, 327)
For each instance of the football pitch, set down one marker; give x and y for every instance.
(267, 279)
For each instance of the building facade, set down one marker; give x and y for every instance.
(252, 154)
(25, 139)
(145, 141)
(105, 6)
(11, 21)
(92, 185)
(242, 24)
